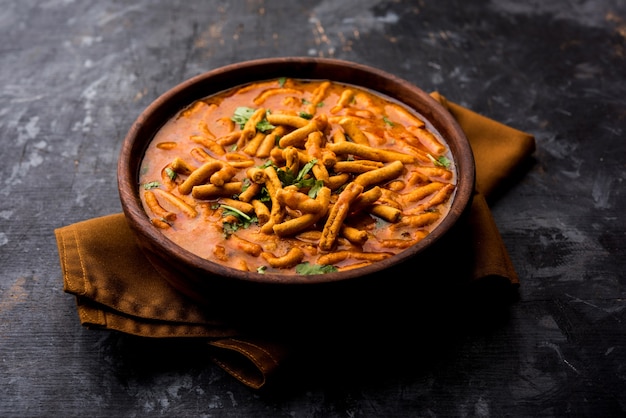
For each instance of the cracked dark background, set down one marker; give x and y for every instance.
(74, 75)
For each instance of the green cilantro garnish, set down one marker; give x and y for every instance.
(305, 170)
(308, 269)
(287, 178)
(229, 229)
(242, 220)
(315, 188)
(241, 115)
(229, 210)
(264, 126)
(305, 115)
(387, 121)
(246, 184)
(151, 185)
(265, 195)
(442, 161)
(170, 173)
(266, 164)
(261, 269)
(282, 81)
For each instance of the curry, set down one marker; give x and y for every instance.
(297, 177)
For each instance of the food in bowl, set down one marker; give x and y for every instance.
(297, 176)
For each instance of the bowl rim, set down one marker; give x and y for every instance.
(216, 80)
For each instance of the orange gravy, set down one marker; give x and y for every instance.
(407, 206)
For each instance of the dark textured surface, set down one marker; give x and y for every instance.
(75, 74)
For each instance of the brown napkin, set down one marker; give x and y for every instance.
(116, 288)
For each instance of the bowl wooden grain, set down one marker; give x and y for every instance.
(198, 277)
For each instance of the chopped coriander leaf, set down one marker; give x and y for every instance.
(261, 269)
(151, 185)
(246, 184)
(266, 164)
(170, 173)
(315, 188)
(264, 126)
(387, 121)
(308, 269)
(305, 115)
(287, 178)
(307, 183)
(442, 161)
(282, 81)
(241, 115)
(265, 195)
(229, 229)
(235, 211)
(241, 220)
(305, 101)
(305, 170)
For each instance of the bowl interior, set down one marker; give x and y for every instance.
(167, 105)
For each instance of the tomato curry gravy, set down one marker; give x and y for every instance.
(297, 177)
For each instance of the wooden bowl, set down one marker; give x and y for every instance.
(198, 277)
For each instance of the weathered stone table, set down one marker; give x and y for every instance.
(75, 74)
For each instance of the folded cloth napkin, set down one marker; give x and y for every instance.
(116, 287)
